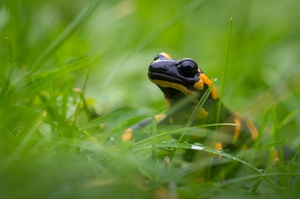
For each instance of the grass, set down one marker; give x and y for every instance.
(73, 77)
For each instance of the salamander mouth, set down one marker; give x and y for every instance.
(164, 77)
(172, 93)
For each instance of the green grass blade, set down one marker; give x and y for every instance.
(289, 118)
(294, 159)
(224, 71)
(171, 131)
(183, 12)
(193, 116)
(70, 29)
(154, 136)
(5, 86)
(263, 125)
(195, 112)
(28, 133)
(65, 99)
(276, 136)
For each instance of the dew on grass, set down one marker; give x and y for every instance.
(214, 79)
(220, 150)
(196, 147)
(262, 171)
(112, 138)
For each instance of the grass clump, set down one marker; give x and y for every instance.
(72, 79)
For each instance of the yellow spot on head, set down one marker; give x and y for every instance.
(127, 135)
(166, 55)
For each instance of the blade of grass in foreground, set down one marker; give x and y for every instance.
(284, 181)
(289, 118)
(195, 112)
(200, 147)
(224, 71)
(5, 85)
(178, 130)
(263, 126)
(220, 94)
(28, 132)
(154, 136)
(40, 78)
(193, 116)
(70, 29)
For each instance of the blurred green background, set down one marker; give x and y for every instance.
(50, 47)
(122, 37)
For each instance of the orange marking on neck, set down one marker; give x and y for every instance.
(237, 129)
(253, 130)
(208, 82)
(127, 135)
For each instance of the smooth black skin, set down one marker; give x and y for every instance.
(184, 72)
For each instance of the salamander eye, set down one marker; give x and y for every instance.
(188, 68)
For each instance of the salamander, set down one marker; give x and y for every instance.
(180, 78)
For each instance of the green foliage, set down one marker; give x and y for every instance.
(73, 77)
